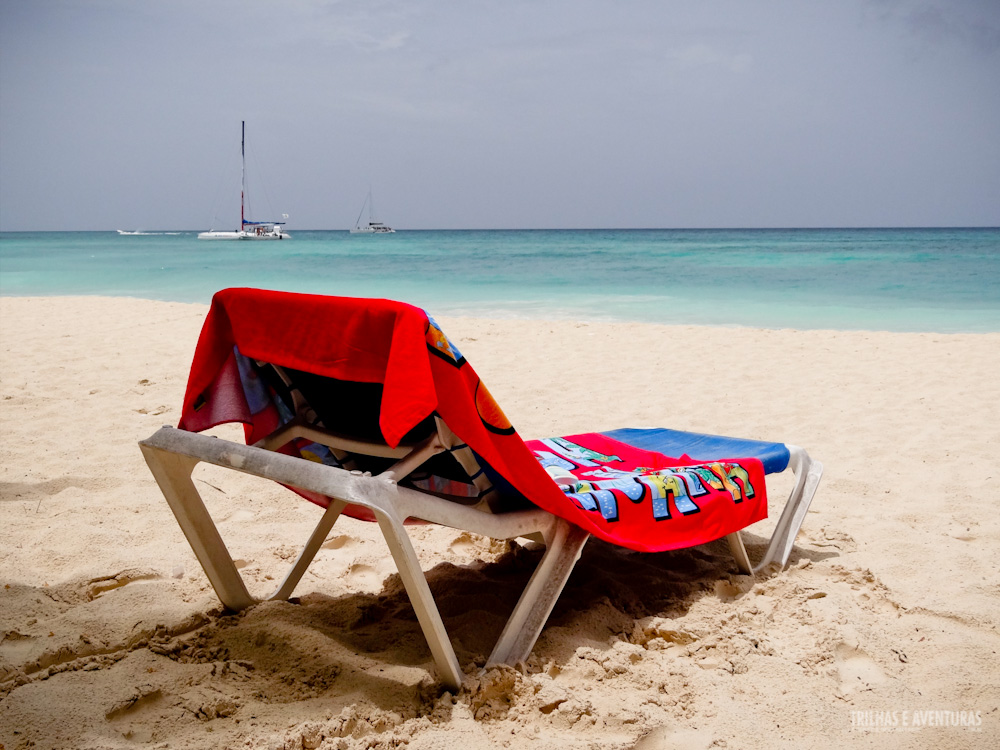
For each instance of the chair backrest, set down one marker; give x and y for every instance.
(376, 371)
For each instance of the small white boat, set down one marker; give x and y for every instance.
(249, 230)
(372, 227)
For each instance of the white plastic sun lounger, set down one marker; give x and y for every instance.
(172, 455)
(230, 385)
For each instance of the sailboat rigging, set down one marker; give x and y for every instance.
(249, 230)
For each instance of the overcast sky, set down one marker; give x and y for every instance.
(506, 114)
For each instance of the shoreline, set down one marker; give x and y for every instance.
(890, 603)
(544, 319)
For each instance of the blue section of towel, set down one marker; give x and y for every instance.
(675, 443)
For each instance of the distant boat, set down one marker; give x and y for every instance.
(372, 227)
(249, 230)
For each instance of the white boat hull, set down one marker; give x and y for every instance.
(373, 229)
(243, 236)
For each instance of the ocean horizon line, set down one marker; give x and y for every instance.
(829, 228)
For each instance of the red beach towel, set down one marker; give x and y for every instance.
(622, 494)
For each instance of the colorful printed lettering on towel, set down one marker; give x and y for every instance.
(615, 481)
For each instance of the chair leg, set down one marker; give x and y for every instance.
(421, 598)
(172, 472)
(739, 552)
(807, 472)
(316, 539)
(564, 543)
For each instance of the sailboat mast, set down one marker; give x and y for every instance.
(243, 170)
(357, 223)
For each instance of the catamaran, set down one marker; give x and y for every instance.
(249, 230)
(372, 227)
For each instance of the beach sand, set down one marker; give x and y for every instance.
(883, 627)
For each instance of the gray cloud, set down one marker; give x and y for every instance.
(541, 114)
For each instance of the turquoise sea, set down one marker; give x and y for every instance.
(945, 280)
